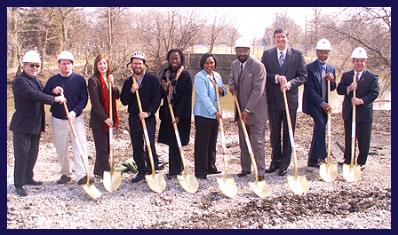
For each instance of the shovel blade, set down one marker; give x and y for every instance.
(112, 180)
(227, 186)
(189, 183)
(156, 182)
(92, 191)
(260, 188)
(351, 173)
(328, 172)
(298, 184)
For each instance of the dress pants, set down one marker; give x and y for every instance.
(318, 143)
(205, 145)
(101, 141)
(140, 153)
(363, 135)
(26, 149)
(281, 154)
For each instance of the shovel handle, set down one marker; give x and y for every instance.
(329, 126)
(248, 144)
(223, 145)
(79, 148)
(110, 128)
(353, 129)
(143, 123)
(289, 124)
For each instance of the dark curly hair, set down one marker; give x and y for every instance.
(204, 58)
(179, 51)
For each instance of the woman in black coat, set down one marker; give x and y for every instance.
(100, 122)
(179, 91)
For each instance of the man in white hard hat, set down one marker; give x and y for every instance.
(285, 71)
(366, 85)
(73, 86)
(149, 90)
(316, 102)
(247, 83)
(28, 120)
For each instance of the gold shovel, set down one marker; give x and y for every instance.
(90, 188)
(113, 178)
(298, 184)
(188, 182)
(156, 182)
(352, 172)
(259, 187)
(227, 184)
(328, 171)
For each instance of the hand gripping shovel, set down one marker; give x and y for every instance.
(113, 178)
(227, 184)
(298, 184)
(90, 188)
(259, 187)
(156, 182)
(328, 171)
(352, 172)
(188, 182)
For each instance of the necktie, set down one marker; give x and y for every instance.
(323, 81)
(281, 59)
(240, 71)
(357, 77)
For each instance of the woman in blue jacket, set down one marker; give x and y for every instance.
(206, 116)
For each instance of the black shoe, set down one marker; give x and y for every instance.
(84, 180)
(171, 176)
(159, 167)
(21, 191)
(260, 178)
(271, 169)
(243, 174)
(282, 171)
(362, 167)
(312, 164)
(322, 161)
(343, 162)
(64, 179)
(138, 178)
(33, 182)
(213, 172)
(203, 177)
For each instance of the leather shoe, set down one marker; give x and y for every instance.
(21, 191)
(271, 169)
(282, 171)
(64, 179)
(311, 164)
(138, 178)
(243, 174)
(159, 167)
(260, 178)
(33, 182)
(203, 177)
(343, 162)
(213, 172)
(362, 167)
(84, 180)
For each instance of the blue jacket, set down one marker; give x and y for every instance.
(205, 95)
(312, 96)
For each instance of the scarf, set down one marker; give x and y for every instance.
(105, 101)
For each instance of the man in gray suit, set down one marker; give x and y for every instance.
(285, 71)
(247, 82)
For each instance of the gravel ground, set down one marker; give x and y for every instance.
(364, 204)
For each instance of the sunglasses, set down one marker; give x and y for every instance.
(35, 66)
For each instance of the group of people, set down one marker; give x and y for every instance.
(257, 86)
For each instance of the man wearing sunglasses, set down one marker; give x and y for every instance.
(74, 86)
(27, 122)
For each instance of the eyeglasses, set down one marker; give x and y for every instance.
(35, 66)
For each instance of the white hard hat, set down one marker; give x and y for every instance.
(31, 56)
(323, 44)
(241, 42)
(65, 55)
(138, 55)
(359, 53)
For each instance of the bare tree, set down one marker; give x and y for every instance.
(216, 28)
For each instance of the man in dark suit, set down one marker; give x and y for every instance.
(366, 85)
(286, 70)
(149, 89)
(316, 101)
(28, 120)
